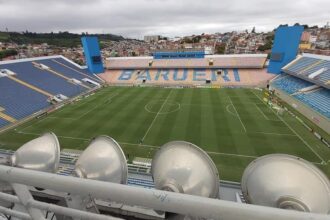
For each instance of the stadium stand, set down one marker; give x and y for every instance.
(68, 69)
(3, 122)
(43, 79)
(219, 61)
(315, 97)
(318, 100)
(310, 67)
(291, 84)
(193, 77)
(19, 101)
(27, 85)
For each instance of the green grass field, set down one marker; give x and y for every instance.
(233, 125)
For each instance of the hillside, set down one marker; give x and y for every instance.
(61, 39)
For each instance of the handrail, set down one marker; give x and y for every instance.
(155, 199)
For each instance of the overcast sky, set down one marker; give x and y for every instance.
(136, 18)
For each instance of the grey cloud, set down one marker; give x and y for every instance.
(135, 18)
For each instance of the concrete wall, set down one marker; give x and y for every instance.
(318, 119)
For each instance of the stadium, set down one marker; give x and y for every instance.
(216, 126)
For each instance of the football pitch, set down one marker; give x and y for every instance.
(234, 126)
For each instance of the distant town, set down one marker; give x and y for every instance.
(17, 45)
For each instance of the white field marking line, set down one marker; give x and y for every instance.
(237, 114)
(271, 133)
(60, 118)
(61, 109)
(34, 123)
(262, 112)
(38, 134)
(303, 140)
(232, 155)
(156, 147)
(230, 112)
(215, 104)
(158, 113)
(85, 113)
(140, 145)
(146, 107)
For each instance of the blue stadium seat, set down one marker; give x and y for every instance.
(305, 66)
(313, 69)
(3, 122)
(318, 100)
(66, 63)
(325, 77)
(20, 101)
(43, 79)
(140, 182)
(301, 64)
(77, 73)
(290, 84)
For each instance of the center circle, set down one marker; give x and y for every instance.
(162, 107)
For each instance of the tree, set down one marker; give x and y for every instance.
(253, 30)
(220, 48)
(7, 53)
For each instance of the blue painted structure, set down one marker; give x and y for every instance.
(285, 47)
(180, 55)
(92, 54)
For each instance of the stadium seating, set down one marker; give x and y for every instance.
(193, 77)
(219, 61)
(3, 122)
(68, 69)
(291, 84)
(318, 99)
(20, 101)
(325, 77)
(301, 64)
(43, 79)
(314, 68)
(27, 91)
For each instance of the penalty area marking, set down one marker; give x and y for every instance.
(230, 112)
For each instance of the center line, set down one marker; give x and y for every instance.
(158, 113)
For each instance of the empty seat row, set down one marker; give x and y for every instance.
(291, 84)
(318, 100)
(20, 101)
(43, 79)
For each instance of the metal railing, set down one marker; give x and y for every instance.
(154, 199)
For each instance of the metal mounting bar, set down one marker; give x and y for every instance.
(155, 199)
(25, 197)
(14, 213)
(57, 209)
